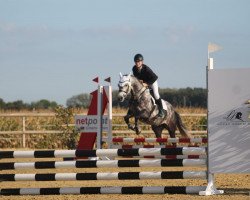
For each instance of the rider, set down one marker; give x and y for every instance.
(148, 78)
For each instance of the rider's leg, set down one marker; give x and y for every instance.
(161, 110)
(158, 101)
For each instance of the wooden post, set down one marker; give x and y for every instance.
(24, 138)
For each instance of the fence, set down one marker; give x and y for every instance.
(23, 131)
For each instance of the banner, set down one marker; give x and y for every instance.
(90, 123)
(229, 120)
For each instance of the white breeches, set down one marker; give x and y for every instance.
(154, 87)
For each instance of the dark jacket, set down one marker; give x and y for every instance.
(146, 74)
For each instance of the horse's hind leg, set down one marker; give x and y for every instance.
(157, 130)
(172, 133)
(171, 130)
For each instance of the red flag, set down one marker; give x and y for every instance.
(108, 80)
(96, 79)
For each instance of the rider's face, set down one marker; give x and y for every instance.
(138, 63)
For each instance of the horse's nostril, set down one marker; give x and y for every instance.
(120, 98)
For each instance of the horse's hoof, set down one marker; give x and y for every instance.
(131, 127)
(137, 131)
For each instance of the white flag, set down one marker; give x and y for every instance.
(213, 47)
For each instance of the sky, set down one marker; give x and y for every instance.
(52, 49)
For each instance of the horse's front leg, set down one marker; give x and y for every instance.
(137, 128)
(126, 119)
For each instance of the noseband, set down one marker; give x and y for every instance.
(123, 83)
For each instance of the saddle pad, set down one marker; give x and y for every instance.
(164, 105)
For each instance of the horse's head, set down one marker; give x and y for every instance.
(124, 86)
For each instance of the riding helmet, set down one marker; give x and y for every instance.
(138, 57)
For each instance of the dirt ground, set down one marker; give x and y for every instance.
(235, 186)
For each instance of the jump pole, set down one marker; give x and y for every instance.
(99, 115)
(211, 187)
(103, 190)
(108, 93)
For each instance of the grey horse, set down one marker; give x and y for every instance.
(143, 108)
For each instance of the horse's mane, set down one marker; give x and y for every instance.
(131, 75)
(136, 79)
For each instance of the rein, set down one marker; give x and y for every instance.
(138, 97)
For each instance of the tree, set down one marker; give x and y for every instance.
(79, 101)
(15, 105)
(43, 104)
(195, 97)
(2, 104)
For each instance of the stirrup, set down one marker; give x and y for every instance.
(161, 113)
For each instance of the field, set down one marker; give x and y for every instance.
(235, 186)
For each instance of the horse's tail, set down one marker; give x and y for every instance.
(181, 126)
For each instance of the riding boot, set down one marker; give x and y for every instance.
(161, 111)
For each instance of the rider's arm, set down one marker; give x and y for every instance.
(151, 76)
(144, 84)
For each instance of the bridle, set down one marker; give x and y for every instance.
(136, 96)
(123, 83)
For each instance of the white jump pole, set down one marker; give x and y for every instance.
(99, 114)
(211, 187)
(109, 110)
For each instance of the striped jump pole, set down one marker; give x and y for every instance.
(127, 146)
(104, 152)
(104, 176)
(103, 190)
(173, 157)
(160, 140)
(102, 164)
(138, 145)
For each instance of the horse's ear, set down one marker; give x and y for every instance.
(120, 75)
